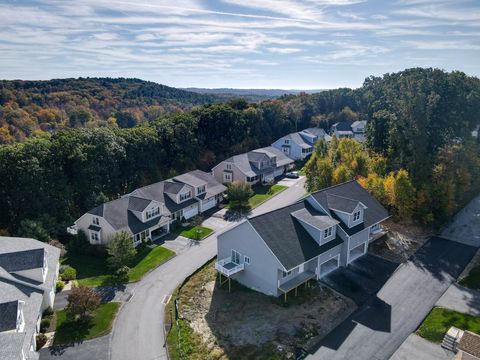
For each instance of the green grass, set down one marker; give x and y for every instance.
(94, 271)
(472, 281)
(437, 323)
(99, 324)
(263, 193)
(191, 233)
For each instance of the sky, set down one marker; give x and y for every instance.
(287, 44)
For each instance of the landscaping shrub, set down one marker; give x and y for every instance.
(41, 341)
(69, 273)
(48, 312)
(59, 286)
(122, 273)
(44, 325)
(79, 245)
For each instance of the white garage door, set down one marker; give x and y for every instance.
(357, 251)
(329, 266)
(188, 213)
(208, 204)
(278, 172)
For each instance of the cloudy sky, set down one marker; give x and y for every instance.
(301, 44)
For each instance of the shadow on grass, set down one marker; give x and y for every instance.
(71, 332)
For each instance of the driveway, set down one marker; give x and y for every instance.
(88, 350)
(418, 348)
(362, 278)
(138, 331)
(379, 327)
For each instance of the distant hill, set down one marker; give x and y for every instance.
(262, 93)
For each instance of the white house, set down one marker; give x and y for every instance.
(147, 212)
(28, 275)
(277, 251)
(299, 145)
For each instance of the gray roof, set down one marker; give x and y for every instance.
(343, 126)
(287, 238)
(138, 204)
(299, 140)
(31, 292)
(191, 179)
(372, 214)
(359, 122)
(282, 159)
(22, 260)
(8, 315)
(172, 187)
(319, 220)
(341, 203)
(213, 186)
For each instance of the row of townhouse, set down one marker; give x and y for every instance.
(28, 274)
(147, 213)
(275, 252)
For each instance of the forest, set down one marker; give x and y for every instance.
(418, 139)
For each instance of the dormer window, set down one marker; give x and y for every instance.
(185, 196)
(356, 216)
(95, 221)
(327, 232)
(153, 212)
(201, 189)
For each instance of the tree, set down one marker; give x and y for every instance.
(33, 229)
(121, 250)
(404, 195)
(197, 221)
(238, 194)
(82, 301)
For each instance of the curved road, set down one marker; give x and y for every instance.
(138, 330)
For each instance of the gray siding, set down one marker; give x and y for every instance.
(262, 272)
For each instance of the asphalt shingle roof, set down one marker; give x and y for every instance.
(310, 216)
(172, 187)
(8, 315)
(22, 260)
(343, 126)
(340, 203)
(287, 238)
(470, 343)
(138, 204)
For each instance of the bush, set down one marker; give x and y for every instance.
(238, 194)
(41, 341)
(48, 312)
(59, 286)
(69, 273)
(122, 273)
(79, 245)
(44, 325)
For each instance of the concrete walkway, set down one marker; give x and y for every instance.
(418, 348)
(461, 299)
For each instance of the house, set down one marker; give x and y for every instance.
(28, 275)
(345, 129)
(276, 252)
(256, 166)
(299, 145)
(147, 212)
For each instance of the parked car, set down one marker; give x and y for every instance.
(292, 175)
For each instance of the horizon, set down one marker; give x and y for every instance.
(211, 44)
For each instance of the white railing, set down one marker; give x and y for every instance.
(219, 266)
(72, 230)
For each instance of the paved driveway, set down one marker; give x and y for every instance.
(96, 349)
(362, 278)
(379, 327)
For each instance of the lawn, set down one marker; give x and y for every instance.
(94, 271)
(437, 323)
(191, 233)
(99, 324)
(472, 281)
(263, 193)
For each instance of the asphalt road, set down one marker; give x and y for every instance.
(138, 329)
(88, 350)
(380, 326)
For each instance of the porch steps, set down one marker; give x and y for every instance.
(451, 339)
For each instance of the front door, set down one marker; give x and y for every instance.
(235, 257)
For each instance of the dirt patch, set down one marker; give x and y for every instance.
(401, 240)
(231, 325)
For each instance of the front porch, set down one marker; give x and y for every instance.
(295, 282)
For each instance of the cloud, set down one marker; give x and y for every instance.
(277, 50)
(443, 45)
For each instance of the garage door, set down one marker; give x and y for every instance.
(329, 266)
(278, 172)
(209, 204)
(187, 214)
(357, 251)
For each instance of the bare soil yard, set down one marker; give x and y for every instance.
(245, 324)
(401, 241)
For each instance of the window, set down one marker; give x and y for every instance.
(286, 273)
(246, 260)
(235, 257)
(94, 236)
(356, 216)
(228, 166)
(227, 177)
(152, 212)
(327, 232)
(201, 189)
(185, 196)
(95, 221)
(287, 141)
